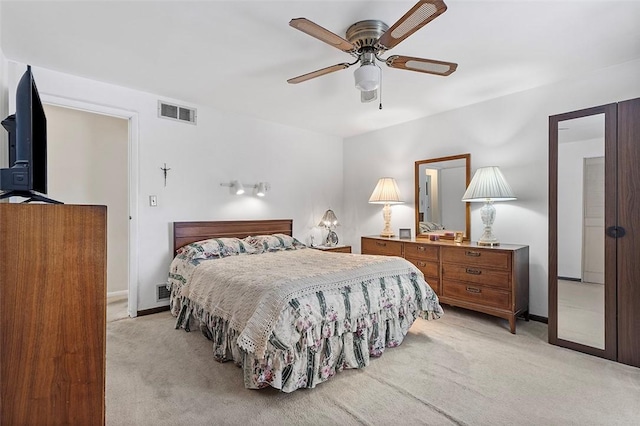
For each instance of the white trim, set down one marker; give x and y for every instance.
(132, 116)
(117, 293)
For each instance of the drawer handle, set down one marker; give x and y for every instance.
(421, 248)
(473, 271)
(378, 243)
(472, 253)
(422, 264)
(474, 290)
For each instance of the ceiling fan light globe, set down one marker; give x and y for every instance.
(367, 78)
(368, 96)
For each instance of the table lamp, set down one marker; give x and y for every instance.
(330, 221)
(386, 192)
(488, 185)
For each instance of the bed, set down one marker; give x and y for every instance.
(290, 316)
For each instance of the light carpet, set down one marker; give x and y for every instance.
(464, 369)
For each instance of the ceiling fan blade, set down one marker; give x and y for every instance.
(322, 34)
(317, 73)
(430, 66)
(417, 17)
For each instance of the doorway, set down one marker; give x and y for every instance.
(82, 118)
(87, 164)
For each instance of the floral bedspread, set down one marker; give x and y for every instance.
(318, 332)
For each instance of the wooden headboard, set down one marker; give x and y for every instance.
(188, 232)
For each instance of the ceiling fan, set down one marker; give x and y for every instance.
(367, 40)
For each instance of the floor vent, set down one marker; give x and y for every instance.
(162, 293)
(176, 112)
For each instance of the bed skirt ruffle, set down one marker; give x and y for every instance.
(317, 350)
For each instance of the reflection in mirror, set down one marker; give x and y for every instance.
(440, 184)
(580, 212)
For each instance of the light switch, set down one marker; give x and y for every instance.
(153, 200)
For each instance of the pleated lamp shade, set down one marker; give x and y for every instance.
(488, 184)
(386, 192)
(329, 220)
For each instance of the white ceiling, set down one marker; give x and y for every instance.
(237, 55)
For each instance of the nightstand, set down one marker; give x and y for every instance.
(336, 249)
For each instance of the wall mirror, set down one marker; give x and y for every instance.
(440, 184)
(580, 317)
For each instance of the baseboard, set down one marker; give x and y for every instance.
(117, 293)
(153, 310)
(539, 318)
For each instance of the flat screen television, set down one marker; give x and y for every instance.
(27, 175)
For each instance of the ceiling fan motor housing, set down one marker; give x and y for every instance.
(365, 34)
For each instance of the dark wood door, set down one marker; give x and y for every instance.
(628, 246)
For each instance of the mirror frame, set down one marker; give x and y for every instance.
(467, 207)
(610, 141)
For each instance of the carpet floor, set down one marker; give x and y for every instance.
(463, 369)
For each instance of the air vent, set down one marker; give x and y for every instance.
(162, 292)
(176, 112)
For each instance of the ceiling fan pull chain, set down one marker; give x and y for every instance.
(380, 99)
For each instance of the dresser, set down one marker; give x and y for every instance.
(492, 280)
(52, 314)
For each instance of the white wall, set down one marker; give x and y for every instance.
(510, 132)
(220, 148)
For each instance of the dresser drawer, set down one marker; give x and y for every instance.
(480, 295)
(421, 251)
(472, 256)
(429, 269)
(477, 275)
(387, 248)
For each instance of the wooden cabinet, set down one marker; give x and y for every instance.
(427, 258)
(605, 323)
(52, 314)
(493, 280)
(336, 249)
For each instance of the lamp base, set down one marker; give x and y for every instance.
(332, 239)
(488, 215)
(386, 214)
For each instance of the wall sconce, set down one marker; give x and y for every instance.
(237, 188)
(262, 188)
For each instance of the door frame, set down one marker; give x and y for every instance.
(132, 156)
